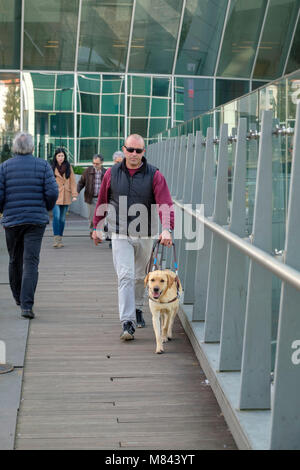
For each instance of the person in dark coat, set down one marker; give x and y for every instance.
(28, 190)
(91, 180)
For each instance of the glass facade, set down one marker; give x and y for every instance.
(86, 73)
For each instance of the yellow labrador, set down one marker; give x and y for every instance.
(164, 289)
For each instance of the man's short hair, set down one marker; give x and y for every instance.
(135, 136)
(118, 154)
(98, 155)
(22, 144)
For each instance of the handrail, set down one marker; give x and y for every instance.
(284, 272)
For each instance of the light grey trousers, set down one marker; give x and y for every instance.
(91, 209)
(130, 257)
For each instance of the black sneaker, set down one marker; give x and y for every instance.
(128, 331)
(27, 314)
(140, 322)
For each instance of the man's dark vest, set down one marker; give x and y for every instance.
(132, 214)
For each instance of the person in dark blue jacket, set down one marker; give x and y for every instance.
(28, 190)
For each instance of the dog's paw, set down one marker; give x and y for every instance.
(159, 351)
(164, 339)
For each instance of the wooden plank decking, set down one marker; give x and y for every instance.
(85, 389)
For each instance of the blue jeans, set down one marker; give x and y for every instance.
(24, 246)
(59, 219)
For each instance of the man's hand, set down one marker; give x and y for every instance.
(166, 238)
(97, 236)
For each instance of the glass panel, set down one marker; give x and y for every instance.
(101, 97)
(294, 59)
(257, 84)
(158, 125)
(159, 107)
(50, 30)
(10, 33)
(9, 112)
(48, 112)
(228, 90)
(279, 26)
(192, 96)
(87, 126)
(139, 107)
(139, 126)
(241, 38)
(108, 147)
(110, 126)
(154, 38)
(104, 33)
(139, 86)
(200, 37)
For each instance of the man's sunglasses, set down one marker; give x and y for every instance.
(131, 149)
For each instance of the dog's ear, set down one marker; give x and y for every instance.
(170, 281)
(146, 280)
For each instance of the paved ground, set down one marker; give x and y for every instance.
(85, 389)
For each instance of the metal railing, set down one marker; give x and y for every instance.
(229, 282)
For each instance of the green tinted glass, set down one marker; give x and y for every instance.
(138, 126)
(154, 38)
(139, 106)
(87, 126)
(10, 33)
(294, 59)
(161, 87)
(192, 96)
(108, 147)
(276, 38)
(227, 90)
(158, 125)
(139, 85)
(110, 126)
(200, 37)
(50, 30)
(241, 38)
(104, 33)
(159, 107)
(86, 148)
(112, 104)
(44, 100)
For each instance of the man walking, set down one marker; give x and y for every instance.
(91, 180)
(128, 193)
(28, 190)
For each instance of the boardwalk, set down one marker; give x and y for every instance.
(85, 389)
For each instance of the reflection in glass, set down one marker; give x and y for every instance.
(50, 30)
(241, 38)
(294, 59)
(10, 33)
(154, 38)
(200, 36)
(100, 115)
(228, 90)
(276, 38)
(9, 112)
(192, 96)
(149, 105)
(49, 112)
(104, 34)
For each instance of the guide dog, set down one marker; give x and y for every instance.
(164, 289)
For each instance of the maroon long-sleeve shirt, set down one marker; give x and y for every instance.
(161, 194)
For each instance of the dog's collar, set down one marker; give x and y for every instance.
(170, 301)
